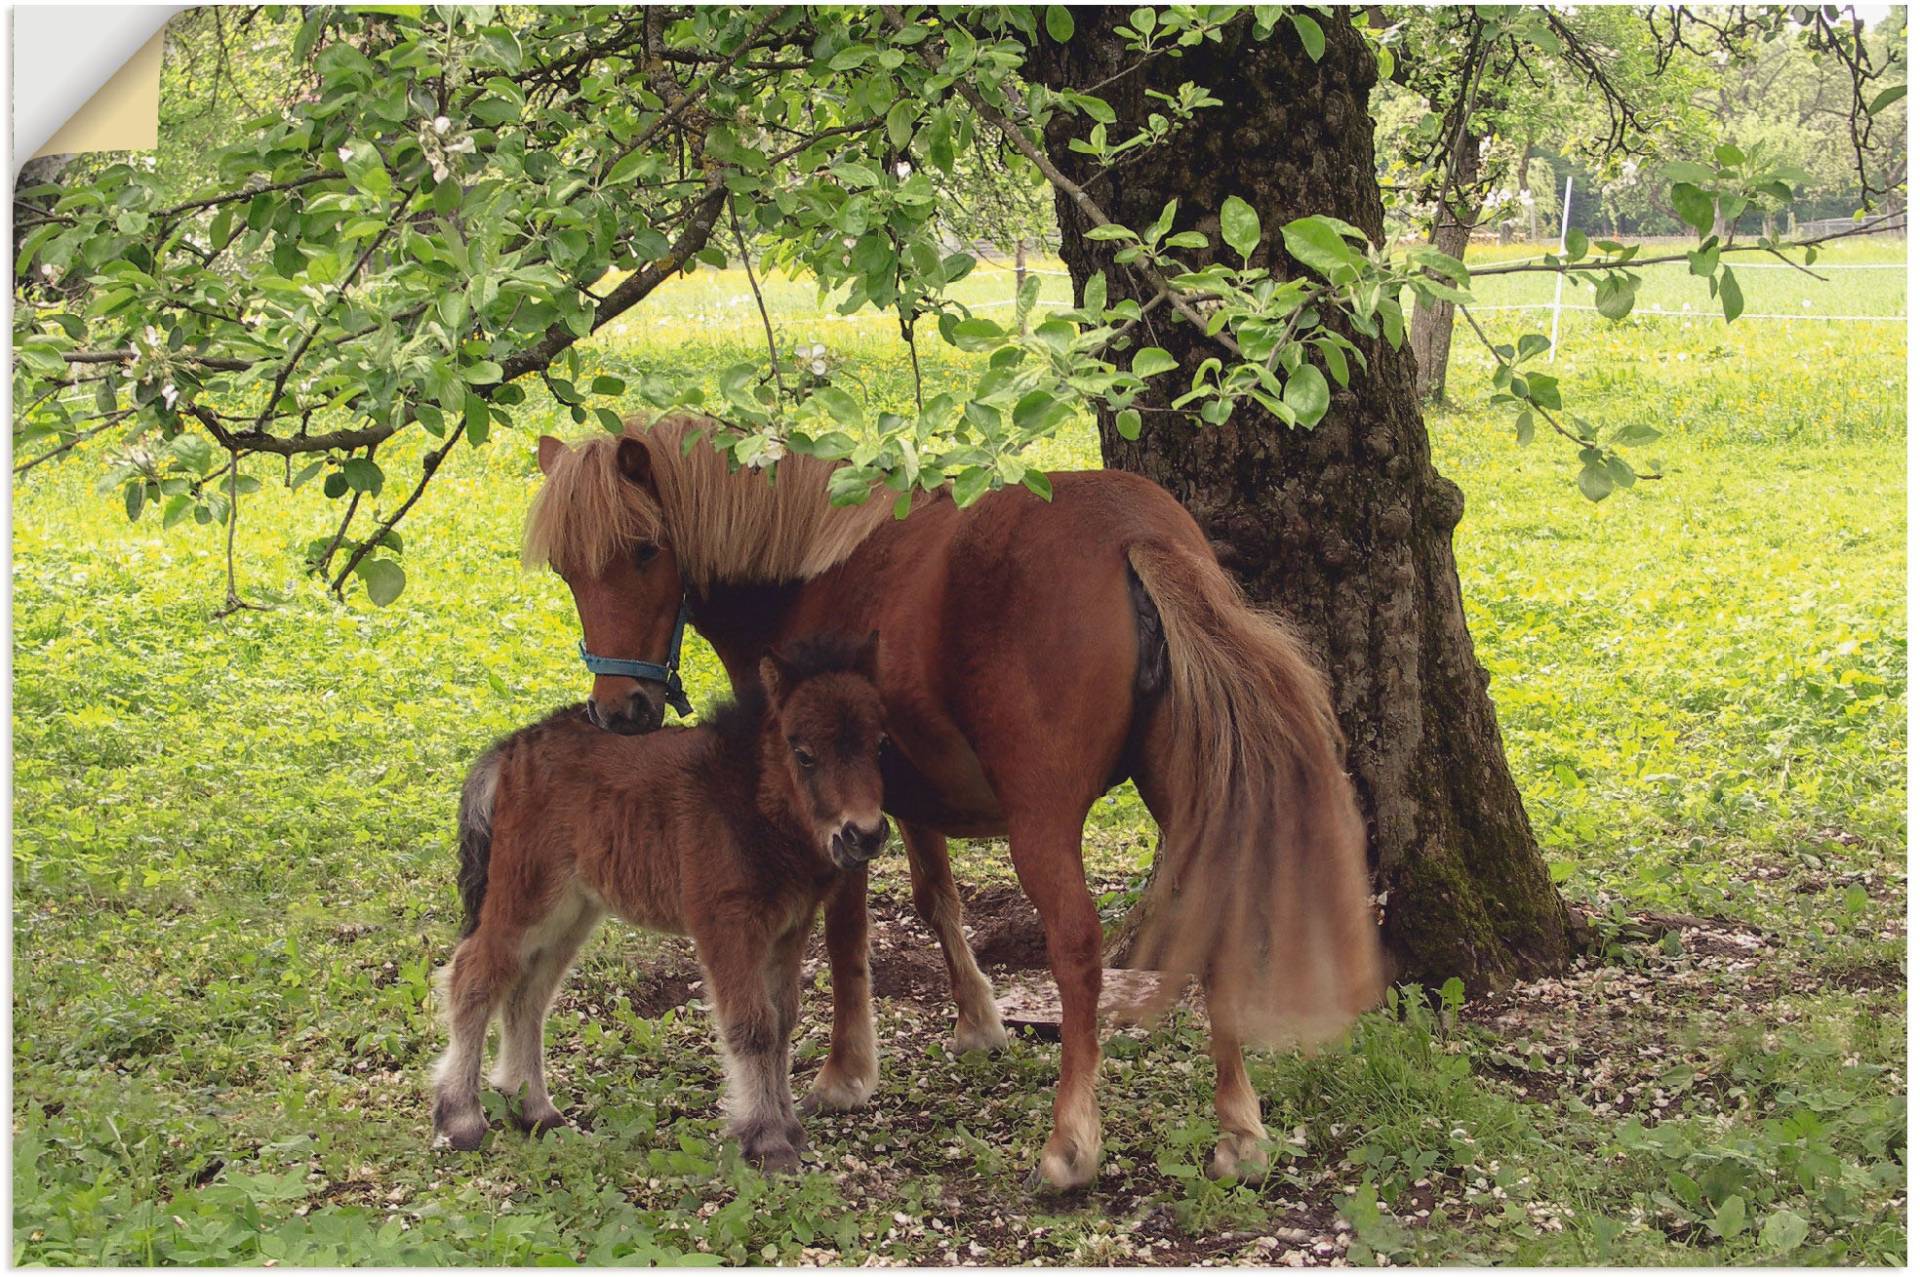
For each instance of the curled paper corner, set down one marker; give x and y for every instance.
(86, 78)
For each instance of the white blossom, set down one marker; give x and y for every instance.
(441, 124)
(346, 154)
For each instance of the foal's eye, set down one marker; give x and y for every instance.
(802, 755)
(645, 552)
(883, 744)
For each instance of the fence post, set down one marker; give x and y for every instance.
(1560, 280)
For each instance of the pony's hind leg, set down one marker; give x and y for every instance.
(852, 1069)
(1046, 855)
(484, 968)
(937, 901)
(758, 1096)
(1241, 1151)
(550, 950)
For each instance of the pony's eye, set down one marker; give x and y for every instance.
(802, 755)
(645, 552)
(883, 744)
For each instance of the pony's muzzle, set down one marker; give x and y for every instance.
(637, 715)
(853, 846)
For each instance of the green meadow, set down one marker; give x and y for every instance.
(233, 872)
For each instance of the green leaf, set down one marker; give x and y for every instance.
(900, 121)
(1694, 205)
(1307, 394)
(1595, 482)
(1783, 1231)
(477, 419)
(363, 474)
(1731, 300)
(1731, 1219)
(1126, 423)
(1038, 484)
(1315, 243)
(384, 580)
(1523, 426)
(1729, 155)
(1312, 38)
(1576, 244)
(1886, 98)
(1634, 433)
(1111, 230)
(1151, 361)
(1059, 23)
(1239, 226)
(1613, 296)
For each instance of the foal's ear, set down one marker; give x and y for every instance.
(776, 676)
(549, 452)
(866, 661)
(636, 465)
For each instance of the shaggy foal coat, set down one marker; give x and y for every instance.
(730, 832)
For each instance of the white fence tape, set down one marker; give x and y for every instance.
(1705, 314)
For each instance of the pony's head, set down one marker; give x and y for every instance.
(597, 523)
(826, 724)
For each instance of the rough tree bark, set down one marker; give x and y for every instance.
(1346, 528)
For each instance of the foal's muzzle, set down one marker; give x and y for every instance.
(853, 846)
(636, 716)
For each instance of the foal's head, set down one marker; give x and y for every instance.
(599, 527)
(825, 725)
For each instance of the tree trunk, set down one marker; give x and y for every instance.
(1346, 528)
(1453, 223)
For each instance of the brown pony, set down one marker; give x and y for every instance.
(731, 832)
(1038, 653)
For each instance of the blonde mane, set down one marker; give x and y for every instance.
(740, 526)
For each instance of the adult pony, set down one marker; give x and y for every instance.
(1035, 653)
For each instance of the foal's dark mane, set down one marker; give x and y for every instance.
(737, 721)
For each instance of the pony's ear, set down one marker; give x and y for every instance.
(636, 466)
(549, 451)
(776, 676)
(866, 661)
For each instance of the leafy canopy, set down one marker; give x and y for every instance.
(449, 199)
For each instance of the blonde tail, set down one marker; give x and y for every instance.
(1262, 887)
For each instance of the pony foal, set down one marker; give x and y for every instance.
(731, 832)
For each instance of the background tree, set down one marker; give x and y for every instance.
(394, 262)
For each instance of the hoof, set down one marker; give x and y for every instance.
(835, 1094)
(537, 1126)
(1064, 1169)
(1238, 1158)
(796, 1135)
(773, 1157)
(976, 1037)
(462, 1135)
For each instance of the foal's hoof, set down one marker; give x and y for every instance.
(1064, 1168)
(1238, 1157)
(979, 1037)
(537, 1125)
(775, 1157)
(460, 1136)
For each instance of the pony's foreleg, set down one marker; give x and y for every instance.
(1046, 855)
(484, 967)
(550, 951)
(1242, 1149)
(937, 901)
(852, 1069)
(758, 1096)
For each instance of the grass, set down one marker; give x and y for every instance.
(233, 875)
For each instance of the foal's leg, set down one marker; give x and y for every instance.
(1046, 855)
(783, 990)
(852, 1069)
(485, 966)
(758, 1097)
(550, 951)
(937, 902)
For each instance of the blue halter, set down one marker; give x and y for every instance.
(649, 671)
